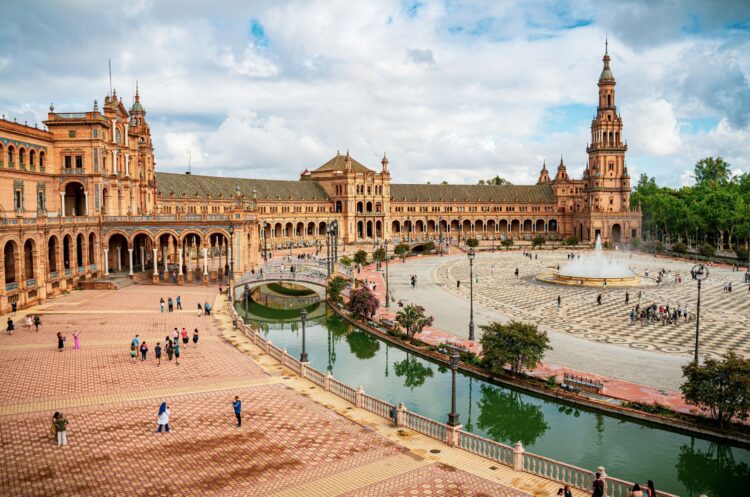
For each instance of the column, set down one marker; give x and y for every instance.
(127, 164)
(189, 254)
(119, 259)
(62, 204)
(86, 202)
(180, 276)
(143, 258)
(106, 261)
(114, 162)
(113, 132)
(205, 266)
(155, 276)
(130, 257)
(126, 135)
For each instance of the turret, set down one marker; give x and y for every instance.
(543, 175)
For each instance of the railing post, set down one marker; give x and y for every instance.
(302, 369)
(453, 434)
(603, 476)
(358, 397)
(283, 356)
(518, 451)
(401, 415)
(327, 381)
(268, 346)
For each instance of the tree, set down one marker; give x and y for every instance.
(346, 260)
(538, 241)
(413, 319)
(360, 257)
(720, 386)
(571, 240)
(507, 243)
(679, 248)
(712, 172)
(496, 181)
(429, 246)
(518, 344)
(401, 250)
(472, 242)
(379, 255)
(335, 286)
(362, 303)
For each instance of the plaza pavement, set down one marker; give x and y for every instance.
(296, 439)
(585, 337)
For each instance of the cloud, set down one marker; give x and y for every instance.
(652, 127)
(421, 56)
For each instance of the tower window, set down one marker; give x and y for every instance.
(609, 100)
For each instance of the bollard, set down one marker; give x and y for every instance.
(327, 381)
(518, 451)
(401, 415)
(358, 397)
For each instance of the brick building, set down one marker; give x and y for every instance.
(82, 199)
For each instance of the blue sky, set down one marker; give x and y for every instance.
(451, 90)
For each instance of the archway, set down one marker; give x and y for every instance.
(419, 226)
(10, 252)
(219, 252)
(105, 200)
(503, 225)
(52, 254)
(75, 200)
(360, 207)
(527, 225)
(360, 229)
(288, 230)
(395, 227)
(378, 229)
(311, 229)
(479, 226)
(466, 228)
(322, 228)
(552, 225)
(117, 259)
(28, 259)
(300, 231)
(455, 226)
(491, 226)
(515, 226)
(143, 252)
(539, 225)
(80, 251)
(368, 207)
(278, 231)
(92, 249)
(67, 243)
(616, 233)
(369, 229)
(192, 253)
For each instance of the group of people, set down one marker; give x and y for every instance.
(34, 321)
(176, 304)
(171, 346)
(530, 255)
(61, 339)
(664, 314)
(598, 489)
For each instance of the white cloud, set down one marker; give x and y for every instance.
(652, 127)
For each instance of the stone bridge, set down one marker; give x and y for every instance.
(311, 280)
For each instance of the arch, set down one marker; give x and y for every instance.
(75, 199)
(552, 225)
(408, 226)
(466, 228)
(369, 229)
(42, 157)
(479, 225)
(431, 226)
(67, 243)
(10, 252)
(360, 207)
(21, 156)
(300, 230)
(339, 206)
(278, 230)
(539, 226)
(503, 225)
(32, 157)
(29, 247)
(455, 226)
(442, 226)
(92, 248)
(419, 226)
(368, 207)
(311, 229)
(80, 242)
(105, 194)
(322, 226)
(395, 227)
(360, 229)
(288, 230)
(11, 154)
(114, 232)
(515, 226)
(491, 225)
(378, 207)
(52, 246)
(378, 229)
(616, 233)
(580, 232)
(527, 225)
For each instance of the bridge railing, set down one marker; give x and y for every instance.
(305, 277)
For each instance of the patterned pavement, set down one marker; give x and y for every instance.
(725, 317)
(289, 444)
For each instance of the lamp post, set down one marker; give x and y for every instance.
(265, 241)
(231, 262)
(453, 415)
(328, 250)
(387, 287)
(471, 256)
(700, 273)
(440, 232)
(459, 232)
(303, 318)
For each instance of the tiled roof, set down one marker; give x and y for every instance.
(191, 184)
(472, 193)
(338, 163)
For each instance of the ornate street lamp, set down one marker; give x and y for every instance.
(231, 262)
(303, 318)
(700, 273)
(471, 256)
(453, 415)
(265, 241)
(440, 231)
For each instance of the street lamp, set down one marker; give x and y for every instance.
(471, 255)
(231, 262)
(453, 415)
(303, 318)
(700, 273)
(387, 287)
(265, 241)
(440, 231)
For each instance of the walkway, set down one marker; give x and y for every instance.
(296, 439)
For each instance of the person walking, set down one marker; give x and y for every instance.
(458, 284)
(195, 338)
(76, 340)
(10, 327)
(163, 418)
(53, 426)
(175, 336)
(60, 341)
(176, 353)
(161, 305)
(137, 341)
(179, 303)
(599, 299)
(184, 335)
(170, 304)
(144, 351)
(29, 322)
(200, 310)
(157, 354)
(170, 349)
(61, 428)
(37, 322)
(627, 297)
(559, 301)
(133, 353)
(237, 405)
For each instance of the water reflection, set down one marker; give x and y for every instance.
(507, 418)
(362, 344)
(712, 471)
(413, 371)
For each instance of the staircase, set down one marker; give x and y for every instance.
(107, 283)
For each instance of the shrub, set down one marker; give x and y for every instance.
(571, 240)
(346, 260)
(507, 243)
(679, 248)
(707, 250)
(538, 241)
(429, 247)
(472, 242)
(519, 344)
(635, 243)
(362, 303)
(413, 319)
(360, 257)
(551, 382)
(741, 253)
(335, 287)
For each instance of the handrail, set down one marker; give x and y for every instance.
(550, 469)
(486, 448)
(426, 426)
(344, 391)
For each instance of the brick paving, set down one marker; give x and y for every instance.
(288, 442)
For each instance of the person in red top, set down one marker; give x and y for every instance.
(184, 335)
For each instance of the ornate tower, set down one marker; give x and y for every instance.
(608, 182)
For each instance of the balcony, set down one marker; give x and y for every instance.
(11, 286)
(92, 267)
(31, 282)
(81, 269)
(73, 170)
(53, 275)
(68, 272)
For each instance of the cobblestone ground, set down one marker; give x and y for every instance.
(725, 317)
(287, 445)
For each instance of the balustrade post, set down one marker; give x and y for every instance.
(327, 381)
(401, 415)
(303, 369)
(603, 476)
(358, 397)
(452, 435)
(518, 451)
(268, 347)
(283, 356)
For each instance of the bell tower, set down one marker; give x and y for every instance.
(608, 182)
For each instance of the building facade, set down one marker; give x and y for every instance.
(82, 199)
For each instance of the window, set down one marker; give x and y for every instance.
(118, 135)
(611, 166)
(95, 133)
(68, 162)
(79, 162)
(40, 202)
(71, 133)
(96, 160)
(18, 200)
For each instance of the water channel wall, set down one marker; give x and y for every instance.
(514, 457)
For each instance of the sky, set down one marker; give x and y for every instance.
(450, 90)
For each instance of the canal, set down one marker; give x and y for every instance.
(678, 463)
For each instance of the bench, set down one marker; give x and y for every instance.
(581, 383)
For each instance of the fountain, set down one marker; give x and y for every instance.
(593, 270)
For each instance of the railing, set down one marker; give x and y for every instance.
(92, 267)
(81, 269)
(68, 272)
(486, 448)
(30, 282)
(11, 286)
(516, 458)
(73, 170)
(70, 115)
(426, 426)
(344, 391)
(53, 275)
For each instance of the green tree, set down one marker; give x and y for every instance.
(379, 255)
(401, 250)
(360, 257)
(336, 285)
(507, 243)
(413, 370)
(412, 318)
(362, 303)
(518, 344)
(472, 242)
(712, 172)
(538, 241)
(496, 181)
(720, 386)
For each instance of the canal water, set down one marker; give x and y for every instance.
(678, 463)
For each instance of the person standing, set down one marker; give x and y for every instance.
(61, 427)
(559, 301)
(157, 354)
(237, 405)
(195, 337)
(60, 341)
(567, 492)
(627, 297)
(170, 349)
(175, 336)
(11, 327)
(651, 489)
(458, 284)
(170, 304)
(163, 417)
(184, 335)
(76, 340)
(144, 351)
(179, 303)
(636, 491)
(137, 341)
(161, 305)
(29, 322)
(53, 426)
(200, 310)
(37, 322)
(176, 353)
(598, 486)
